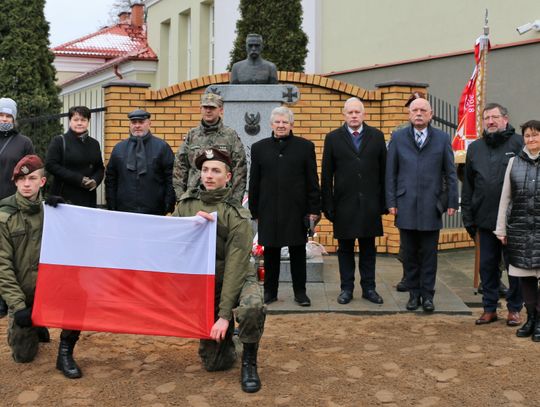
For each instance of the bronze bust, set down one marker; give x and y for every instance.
(254, 69)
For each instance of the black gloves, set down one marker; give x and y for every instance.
(23, 317)
(54, 200)
(471, 230)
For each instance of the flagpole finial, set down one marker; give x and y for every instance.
(486, 27)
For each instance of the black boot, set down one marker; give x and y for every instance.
(250, 378)
(3, 308)
(65, 362)
(536, 332)
(528, 327)
(43, 334)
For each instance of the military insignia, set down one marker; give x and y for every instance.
(209, 154)
(252, 123)
(25, 170)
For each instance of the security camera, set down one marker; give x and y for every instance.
(525, 28)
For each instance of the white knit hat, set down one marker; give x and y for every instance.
(8, 106)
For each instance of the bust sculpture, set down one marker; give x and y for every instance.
(254, 69)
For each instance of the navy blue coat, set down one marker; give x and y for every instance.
(414, 179)
(151, 193)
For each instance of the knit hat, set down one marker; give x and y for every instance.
(27, 165)
(8, 106)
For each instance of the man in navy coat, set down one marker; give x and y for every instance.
(421, 184)
(353, 166)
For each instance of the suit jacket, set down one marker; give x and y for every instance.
(414, 179)
(352, 182)
(283, 189)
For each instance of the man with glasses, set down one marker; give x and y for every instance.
(485, 167)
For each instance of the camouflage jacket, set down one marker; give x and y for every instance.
(233, 243)
(186, 176)
(21, 226)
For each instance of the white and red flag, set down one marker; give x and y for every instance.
(127, 273)
(472, 99)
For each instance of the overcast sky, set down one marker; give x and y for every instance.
(71, 19)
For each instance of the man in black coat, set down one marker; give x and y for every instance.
(485, 168)
(352, 181)
(139, 173)
(284, 196)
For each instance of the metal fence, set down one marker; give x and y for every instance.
(445, 118)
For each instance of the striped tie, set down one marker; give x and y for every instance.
(419, 139)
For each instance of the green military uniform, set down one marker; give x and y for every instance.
(185, 174)
(236, 282)
(21, 227)
(21, 222)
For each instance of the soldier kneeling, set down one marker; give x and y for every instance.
(21, 227)
(236, 282)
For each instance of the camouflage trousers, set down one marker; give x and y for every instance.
(250, 315)
(24, 342)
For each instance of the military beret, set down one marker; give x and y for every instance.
(212, 154)
(27, 165)
(139, 114)
(414, 96)
(211, 99)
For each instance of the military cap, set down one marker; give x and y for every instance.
(211, 99)
(27, 165)
(139, 114)
(414, 96)
(212, 154)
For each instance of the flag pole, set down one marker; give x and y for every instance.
(480, 102)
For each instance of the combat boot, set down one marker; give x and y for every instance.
(250, 378)
(65, 362)
(3, 308)
(536, 332)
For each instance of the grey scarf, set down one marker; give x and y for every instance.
(136, 156)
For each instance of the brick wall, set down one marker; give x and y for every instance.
(175, 110)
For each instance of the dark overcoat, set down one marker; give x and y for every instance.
(283, 189)
(414, 179)
(352, 182)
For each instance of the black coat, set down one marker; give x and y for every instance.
(16, 147)
(352, 182)
(283, 189)
(80, 159)
(151, 193)
(485, 166)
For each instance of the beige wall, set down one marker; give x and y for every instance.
(359, 33)
(177, 28)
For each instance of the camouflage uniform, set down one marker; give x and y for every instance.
(21, 225)
(186, 176)
(236, 282)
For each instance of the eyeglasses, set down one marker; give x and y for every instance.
(493, 117)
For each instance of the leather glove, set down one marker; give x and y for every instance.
(471, 230)
(54, 200)
(23, 317)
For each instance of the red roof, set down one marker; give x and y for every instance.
(110, 42)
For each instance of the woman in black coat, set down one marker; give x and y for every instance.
(284, 196)
(74, 159)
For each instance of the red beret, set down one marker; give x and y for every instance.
(27, 165)
(212, 154)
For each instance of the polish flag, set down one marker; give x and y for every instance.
(127, 273)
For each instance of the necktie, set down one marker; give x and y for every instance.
(419, 139)
(356, 139)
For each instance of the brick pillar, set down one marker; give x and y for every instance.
(121, 97)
